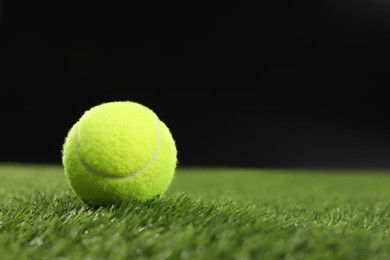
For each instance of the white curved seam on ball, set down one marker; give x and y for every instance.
(132, 175)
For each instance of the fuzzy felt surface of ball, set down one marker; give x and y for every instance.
(119, 151)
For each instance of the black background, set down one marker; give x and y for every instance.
(272, 84)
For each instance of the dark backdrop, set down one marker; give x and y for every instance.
(272, 84)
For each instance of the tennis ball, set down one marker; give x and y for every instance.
(119, 151)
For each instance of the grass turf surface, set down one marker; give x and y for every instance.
(206, 214)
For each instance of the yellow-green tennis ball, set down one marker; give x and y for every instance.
(119, 151)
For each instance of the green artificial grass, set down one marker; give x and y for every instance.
(206, 214)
